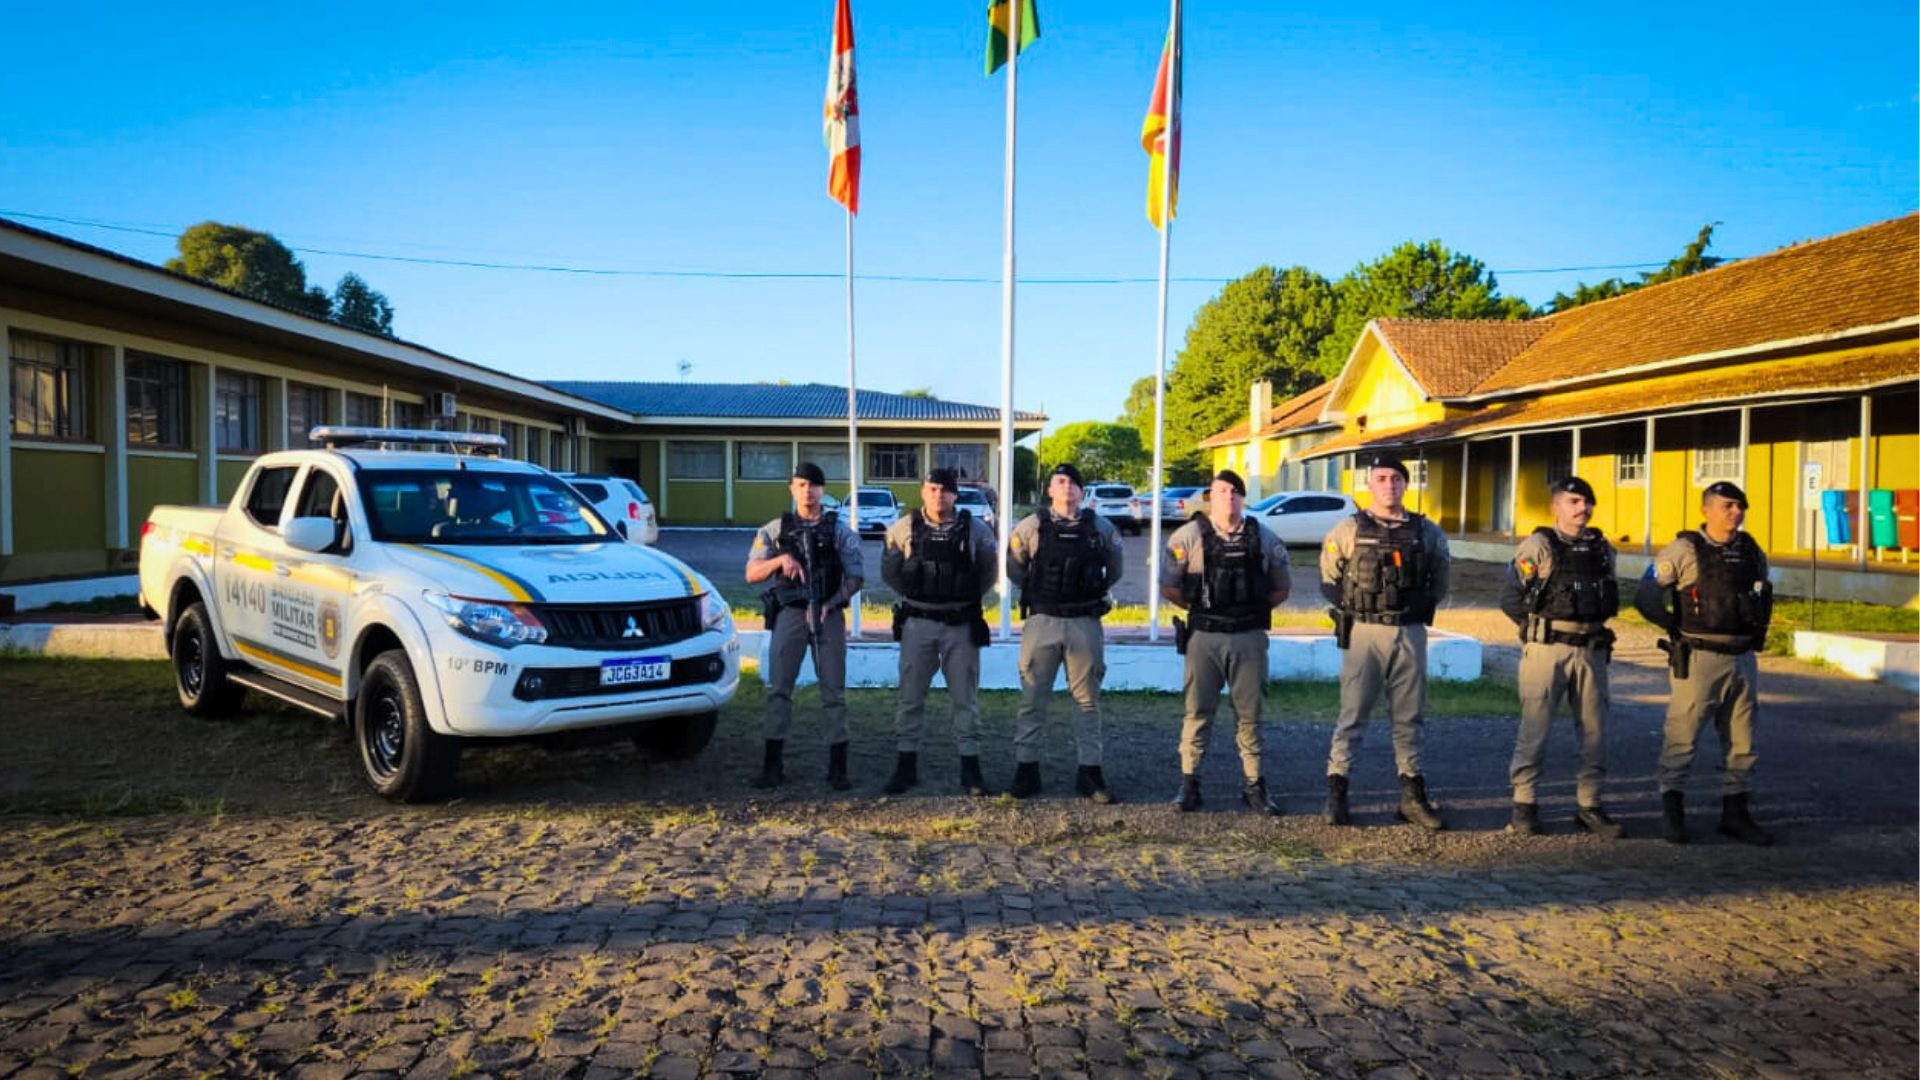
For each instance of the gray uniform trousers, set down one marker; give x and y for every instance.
(927, 647)
(1237, 662)
(1047, 641)
(1393, 658)
(1724, 689)
(1549, 673)
(784, 655)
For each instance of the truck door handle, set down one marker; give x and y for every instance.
(283, 570)
(226, 553)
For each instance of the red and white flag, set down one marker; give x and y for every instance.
(843, 114)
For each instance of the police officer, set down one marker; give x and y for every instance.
(1560, 590)
(941, 564)
(1229, 573)
(1064, 558)
(813, 563)
(1385, 570)
(1709, 590)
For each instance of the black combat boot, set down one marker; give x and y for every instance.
(1255, 798)
(771, 772)
(1526, 819)
(1026, 780)
(1337, 801)
(1414, 806)
(1189, 798)
(1089, 784)
(906, 773)
(1735, 822)
(971, 781)
(1673, 816)
(837, 767)
(1595, 820)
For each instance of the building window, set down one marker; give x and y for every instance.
(696, 461)
(556, 451)
(1712, 463)
(409, 415)
(510, 431)
(48, 387)
(893, 462)
(484, 425)
(763, 460)
(362, 410)
(306, 410)
(1630, 469)
(156, 401)
(1417, 474)
(969, 459)
(236, 413)
(831, 457)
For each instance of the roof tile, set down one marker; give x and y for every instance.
(794, 401)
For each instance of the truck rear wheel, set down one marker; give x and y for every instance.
(404, 759)
(676, 738)
(199, 671)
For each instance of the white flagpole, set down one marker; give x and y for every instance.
(1006, 338)
(853, 427)
(1160, 351)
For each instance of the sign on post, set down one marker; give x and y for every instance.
(1810, 485)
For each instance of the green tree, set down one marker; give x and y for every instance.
(358, 305)
(1413, 281)
(1691, 260)
(1026, 468)
(1267, 325)
(251, 263)
(920, 392)
(1102, 451)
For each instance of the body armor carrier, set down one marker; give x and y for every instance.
(1730, 597)
(1582, 587)
(1231, 592)
(1068, 576)
(1386, 578)
(940, 570)
(815, 548)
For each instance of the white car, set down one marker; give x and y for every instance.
(974, 501)
(1303, 518)
(431, 599)
(622, 502)
(878, 509)
(1117, 503)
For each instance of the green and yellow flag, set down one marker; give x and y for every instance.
(999, 17)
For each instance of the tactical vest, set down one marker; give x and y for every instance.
(1582, 587)
(1386, 578)
(1068, 574)
(940, 568)
(815, 548)
(1729, 595)
(1232, 591)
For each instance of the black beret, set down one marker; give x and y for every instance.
(1726, 489)
(945, 479)
(1386, 461)
(809, 472)
(1067, 470)
(1231, 479)
(1573, 485)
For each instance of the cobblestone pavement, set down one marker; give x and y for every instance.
(500, 944)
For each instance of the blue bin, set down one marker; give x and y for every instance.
(1882, 526)
(1833, 507)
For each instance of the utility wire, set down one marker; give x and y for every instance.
(747, 275)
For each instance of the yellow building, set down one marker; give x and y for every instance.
(1790, 374)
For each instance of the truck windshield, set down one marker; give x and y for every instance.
(447, 506)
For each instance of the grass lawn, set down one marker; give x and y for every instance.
(1830, 616)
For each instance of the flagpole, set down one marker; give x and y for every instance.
(1006, 336)
(1160, 350)
(853, 426)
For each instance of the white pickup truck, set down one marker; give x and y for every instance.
(430, 596)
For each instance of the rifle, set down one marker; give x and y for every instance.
(812, 581)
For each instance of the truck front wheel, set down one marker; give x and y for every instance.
(199, 671)
(677, 738)
(405, 760)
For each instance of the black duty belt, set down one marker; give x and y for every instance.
(1081, 610)
(944, 616)
(1581, 641)
(1724, 648)
(1224, 624)
(1387, 618)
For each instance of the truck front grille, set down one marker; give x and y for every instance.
(621, 626)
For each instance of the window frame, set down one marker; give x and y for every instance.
(68, 373)
(765, 452)
(1707, 470)
(166, 382)
(237, 398)
(948, 455)
(675, 463)
(309, 397)
(894, 455)
(1630, 468)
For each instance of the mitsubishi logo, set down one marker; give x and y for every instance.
(633, 629)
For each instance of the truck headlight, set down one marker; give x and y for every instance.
(714, 612)
(490, 621)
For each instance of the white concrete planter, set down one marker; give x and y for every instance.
(1886, 657)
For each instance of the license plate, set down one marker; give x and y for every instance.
(644, 669)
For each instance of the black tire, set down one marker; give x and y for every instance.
(677, 738)
(403, 758)
(199, 671)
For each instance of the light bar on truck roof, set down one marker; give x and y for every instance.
(334, 436)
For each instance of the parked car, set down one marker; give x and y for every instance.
(1181, 503)
(621, 501)
(1303, 518)
(1117, 503)
(974, 501)
(878, 510)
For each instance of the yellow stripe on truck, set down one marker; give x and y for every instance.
(514, 588)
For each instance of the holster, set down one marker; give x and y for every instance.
(1679, 655)
(979, 634)
(769, 609)
(1181, 634)
(899, 620)
(1342, 627)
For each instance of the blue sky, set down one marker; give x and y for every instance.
(649, 137)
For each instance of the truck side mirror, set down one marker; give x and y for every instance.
(309, 533)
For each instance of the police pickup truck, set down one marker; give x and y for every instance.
(428, 591)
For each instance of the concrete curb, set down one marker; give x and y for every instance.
(100, 641)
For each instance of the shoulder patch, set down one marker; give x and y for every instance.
(1333, 546)
(1179, 554)
(1663, 568)
(1526, 566)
